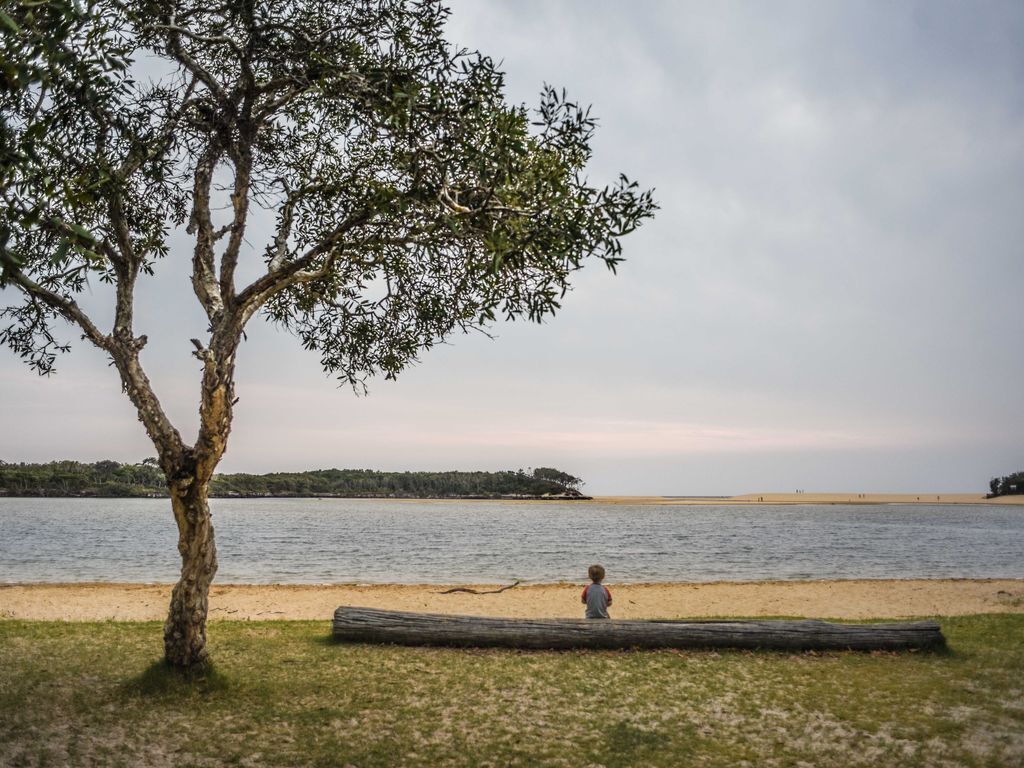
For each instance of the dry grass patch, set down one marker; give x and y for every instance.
(285, 694)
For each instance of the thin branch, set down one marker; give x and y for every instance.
(284, 231)
(31, 116)
(446, 199)
(242, 159)
(193, 66)
(222, 40)
(478, 592)
(162, 141)
(126, 268)
(271, 106)
(66, 306)
(261, 289)
(58, 226)
(124, 350)
(204, 281)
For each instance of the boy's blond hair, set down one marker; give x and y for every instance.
(596, 573)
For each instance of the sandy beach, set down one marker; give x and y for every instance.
(817, 498)
(854, 599)
(838, 599)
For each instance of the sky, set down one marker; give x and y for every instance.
(829, 298)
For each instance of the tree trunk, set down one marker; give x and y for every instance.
(189, 483)
(185, 628)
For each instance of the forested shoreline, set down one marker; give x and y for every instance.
(111, 479)
(1008, 485)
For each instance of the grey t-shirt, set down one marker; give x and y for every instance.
(598, 598)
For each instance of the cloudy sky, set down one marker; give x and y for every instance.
(829, 298)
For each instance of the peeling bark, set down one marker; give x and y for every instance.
(185, 628)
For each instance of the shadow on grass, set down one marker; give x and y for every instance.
(942, 649)
(161, 679)
(330, 640)
(628, 745)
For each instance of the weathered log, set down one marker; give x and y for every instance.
(370, 625)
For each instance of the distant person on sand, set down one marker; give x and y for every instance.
(596, 596)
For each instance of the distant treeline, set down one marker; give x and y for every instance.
(111, 479)
(73, 478)
(1006, 486)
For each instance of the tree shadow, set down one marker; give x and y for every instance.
(161, 679)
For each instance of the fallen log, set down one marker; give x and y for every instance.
(370, 625)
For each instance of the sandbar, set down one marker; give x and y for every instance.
(845, 599)
(929, 499)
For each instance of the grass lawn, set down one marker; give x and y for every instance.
(285, 694)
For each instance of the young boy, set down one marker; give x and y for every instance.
(596, 596)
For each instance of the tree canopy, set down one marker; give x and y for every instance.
(411, 201)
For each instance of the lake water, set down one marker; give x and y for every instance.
(371, 541)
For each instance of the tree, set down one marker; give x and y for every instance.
(563, 479)
(1008, 485)
(410, 201)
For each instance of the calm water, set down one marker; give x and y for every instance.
(311, 541)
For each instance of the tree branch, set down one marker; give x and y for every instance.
(270, 106)
(64, 305)
(279, 278)
(284, 231)
(123, 350)
(167, 439)
(216, 407)
(204, 281)
(162, 141)
(242, 157)
(218, 40)
(174, 47)
(126, 267)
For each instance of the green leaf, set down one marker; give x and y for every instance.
(88, 255)
(82, 232)
(61, 252)
(9, 23)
